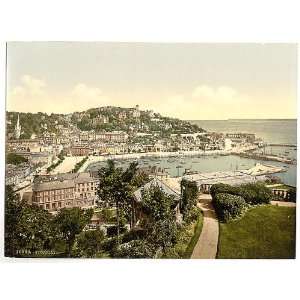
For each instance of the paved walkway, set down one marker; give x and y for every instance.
(283, 203)
(207, 244)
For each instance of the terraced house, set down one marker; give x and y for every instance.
(65, 190)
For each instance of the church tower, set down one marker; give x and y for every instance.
(18, 128)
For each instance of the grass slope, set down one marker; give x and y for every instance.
(188, 238)
(197, 231)
(264, 232)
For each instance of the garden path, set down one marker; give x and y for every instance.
(283, 203)
(207, 244)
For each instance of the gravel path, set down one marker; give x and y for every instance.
(282, 203)
(207, 244)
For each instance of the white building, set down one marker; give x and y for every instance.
(227, 144)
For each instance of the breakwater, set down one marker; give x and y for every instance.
(257, 156)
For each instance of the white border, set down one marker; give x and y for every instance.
(147, 21)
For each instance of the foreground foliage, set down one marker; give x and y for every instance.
(264, 232)
(228, 206)
(89, 242)
(70, 222)
(231, 201)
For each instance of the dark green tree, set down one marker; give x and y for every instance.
(26, 227)
(34, 230)
(89, 242)
(13, 210)
(70, 222)
(160, 222)
(116, 189)
(189, 194)
(15, 159)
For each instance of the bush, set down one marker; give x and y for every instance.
(134, 249)
(224, 189)
(256, 193)
(133, 234)
(15, 159)
(109, 244)
(253, 193)
(112, 230)
(192, 215)
(228, 206)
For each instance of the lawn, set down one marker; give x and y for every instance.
(264, 232)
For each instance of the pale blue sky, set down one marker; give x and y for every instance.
(189, 81)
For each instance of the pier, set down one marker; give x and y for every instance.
(266, 157)
(282, 145)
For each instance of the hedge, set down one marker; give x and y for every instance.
(253, 193)
(228, 206)
(225, 189)
(256, 193)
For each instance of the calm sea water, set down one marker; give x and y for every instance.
(272, 131)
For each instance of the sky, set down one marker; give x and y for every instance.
(186, 81)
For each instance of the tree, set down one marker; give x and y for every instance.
(15, 159)
(189, 197)
(89, 242)
(13, 209)
(70, 222)
(160, 221)
(116, 189)
(26, 226)
(34, 230)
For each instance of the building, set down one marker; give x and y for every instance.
(205, 181)
(99, 120)
(122, 115)
(112, 137)
(241, 137)
(14, 175)
(18, 128)
(136, 112)
(81, 150)
(65, 190)
(227, 144)
(169, 186)
(24, 144)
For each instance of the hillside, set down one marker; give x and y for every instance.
(100, 119)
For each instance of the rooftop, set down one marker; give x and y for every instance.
(168, 188)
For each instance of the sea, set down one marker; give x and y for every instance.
(271, 131)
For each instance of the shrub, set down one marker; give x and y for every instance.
(109, 244)
(253, 193)
(256, 193)
(133, 234)
(134, 249)
(192, 215)
(225, 189)
(228, 206)
(189, 197)
(112, 230)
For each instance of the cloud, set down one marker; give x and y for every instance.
(33, 95)
(219, 94)
(201, 102)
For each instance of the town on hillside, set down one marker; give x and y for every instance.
(48, 159)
